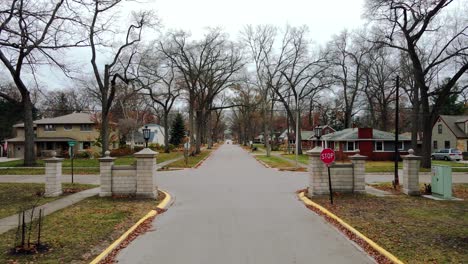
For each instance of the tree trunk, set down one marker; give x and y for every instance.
(266, 131)
(166, 132)
(199, 128)
(209, 131)
(105, 130)
(427, 130)
(29, 153)
(415, 119)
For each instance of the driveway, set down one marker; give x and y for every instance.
(233, 210)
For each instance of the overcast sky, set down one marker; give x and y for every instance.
(323, 17)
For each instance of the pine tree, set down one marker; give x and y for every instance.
(177, 130)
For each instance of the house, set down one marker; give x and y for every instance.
(373, 143)
(156, 135)
(308, 139)
(53, 134)
(450, 131)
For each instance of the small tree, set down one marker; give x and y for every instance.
(178, 130)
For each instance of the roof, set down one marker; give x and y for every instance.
(349, 134)
(73, 118)
(451, 120)
(42, 139)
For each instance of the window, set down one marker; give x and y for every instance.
(439, 128)
(351, 146)
(379, 146)
(401, 145)
(86, 127)
(86, 145)
(447, 144)
(67, 127)
(434, 145)
(49, 128)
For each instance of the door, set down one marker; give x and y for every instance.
(19, 151)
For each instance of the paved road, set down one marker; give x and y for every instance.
(233, 210)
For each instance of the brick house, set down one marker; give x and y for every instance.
(308, 139)
(373, 143)
(53, 134)
(450, 132)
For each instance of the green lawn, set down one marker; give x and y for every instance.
(415, 229)
(15, 197)
(81, 166)
(275, 162)
(79, 233)
(388, 166)
(192, 160)
(304, 159)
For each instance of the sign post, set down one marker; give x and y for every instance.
(71, 144)
(328, 157)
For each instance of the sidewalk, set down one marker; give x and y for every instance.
(10, 222)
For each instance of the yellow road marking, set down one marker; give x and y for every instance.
(371, 243)
(162, 205)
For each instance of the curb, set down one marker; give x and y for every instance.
(204, 159)
(162, 205)
(351, 229)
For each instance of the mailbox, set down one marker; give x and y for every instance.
(441, 181)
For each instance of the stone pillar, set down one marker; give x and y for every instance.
(53, 176)
(318, 180)
(359, 164)
(411, 173)
(145, 173)
(105, 168)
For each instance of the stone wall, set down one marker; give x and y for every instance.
(136, 180)
(346, 178)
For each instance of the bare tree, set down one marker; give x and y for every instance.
(381, 67)
(261, 42)
(347, 56)
(117, 70)
(31, 34)
(303, 74)
(158, 77)
(207, 68)
(435, 43)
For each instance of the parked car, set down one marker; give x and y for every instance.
(447, 154)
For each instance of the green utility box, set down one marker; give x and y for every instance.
(441, 182)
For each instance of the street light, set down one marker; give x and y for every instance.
(146, 135)
(318, 134)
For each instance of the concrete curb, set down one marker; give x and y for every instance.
(204, 159)
(371, 243)
(163, 205)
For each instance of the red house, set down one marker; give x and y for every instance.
(373, 143)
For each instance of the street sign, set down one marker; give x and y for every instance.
(327, 156)
(71, 143)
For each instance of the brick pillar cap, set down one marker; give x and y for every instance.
(315, 152)
(146, 153)
(106, 157)
(357, 156)
(410, 156)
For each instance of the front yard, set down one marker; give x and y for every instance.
(191, 162)
(21, 196)
(80, 232)
(81, 166)
(415, 229)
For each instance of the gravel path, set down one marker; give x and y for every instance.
(233, 210)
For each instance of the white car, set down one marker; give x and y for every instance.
(447, 154)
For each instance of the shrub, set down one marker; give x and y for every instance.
(121, 152)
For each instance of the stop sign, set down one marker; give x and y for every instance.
(327, 156)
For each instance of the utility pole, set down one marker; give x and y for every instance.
(297, 132)
(396, 181)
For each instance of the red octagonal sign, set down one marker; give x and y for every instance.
(327, 156)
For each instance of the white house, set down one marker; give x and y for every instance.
(156, 135)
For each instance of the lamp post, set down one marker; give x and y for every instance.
(318, 134)
(146, 135)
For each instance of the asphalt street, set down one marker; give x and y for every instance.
(234, 210)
